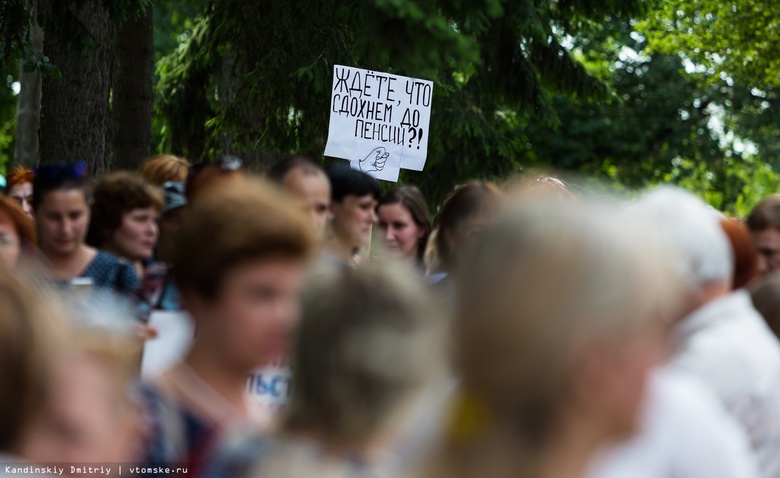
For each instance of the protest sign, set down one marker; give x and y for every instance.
(379, 121)
(268, 387)
(174, 336)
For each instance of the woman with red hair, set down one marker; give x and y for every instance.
(20, 188)
(745, 256)
(17, 234)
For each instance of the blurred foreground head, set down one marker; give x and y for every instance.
(561, 316)
(239, 262)
(205, 177)
(66, 369)
(27, 356)
(369, 339)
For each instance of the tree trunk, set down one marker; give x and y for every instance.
(131, 115)
(75, 109)
(235, 140)
(28, 109)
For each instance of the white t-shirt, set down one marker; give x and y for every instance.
(685, 433)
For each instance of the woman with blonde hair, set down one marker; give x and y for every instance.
(165, 168)
(559, 322)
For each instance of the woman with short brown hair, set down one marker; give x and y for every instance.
(125, 209)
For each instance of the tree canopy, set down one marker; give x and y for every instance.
(736, 38)
(256, 77)
(631, 92)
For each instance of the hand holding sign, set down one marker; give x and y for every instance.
(385, 114)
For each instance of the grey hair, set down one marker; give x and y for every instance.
(691, 227)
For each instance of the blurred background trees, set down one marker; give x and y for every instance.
(631, 92)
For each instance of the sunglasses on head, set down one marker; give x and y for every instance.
(225, 163)
(61, 171)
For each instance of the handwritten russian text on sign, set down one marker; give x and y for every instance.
(378, 121)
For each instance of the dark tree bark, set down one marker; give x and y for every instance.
(236, 140)
(131, 115)
(28, 109)
(75, 109)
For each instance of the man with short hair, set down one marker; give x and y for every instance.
(764, 225)
(306, 181)
(354, 195)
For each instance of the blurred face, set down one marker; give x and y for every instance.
(399, 233)
(614, 377)
(10, 243)
(314, 192)
(462, 239)
(136, 236)
(353, 218)
(768, 246)
(250, 321)
(22, 194)
(62, 218)
(86, 419)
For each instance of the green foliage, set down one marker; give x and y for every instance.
(15, 42)
(665, 126)
(736, 38)
(261, 73)
(15, 20)
(7, 122)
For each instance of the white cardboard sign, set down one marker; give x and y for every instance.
(379, 122)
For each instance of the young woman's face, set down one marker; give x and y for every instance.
(62, 218)
(399, 233)
(10, 243)
(251, 320)
(137, 234)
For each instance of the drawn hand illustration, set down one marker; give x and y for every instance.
(375, 161)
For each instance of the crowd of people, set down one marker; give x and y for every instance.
(520, 330)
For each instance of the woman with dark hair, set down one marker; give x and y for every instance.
(404, 222)
(124, 218)
(462, 217)
(61, 197)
